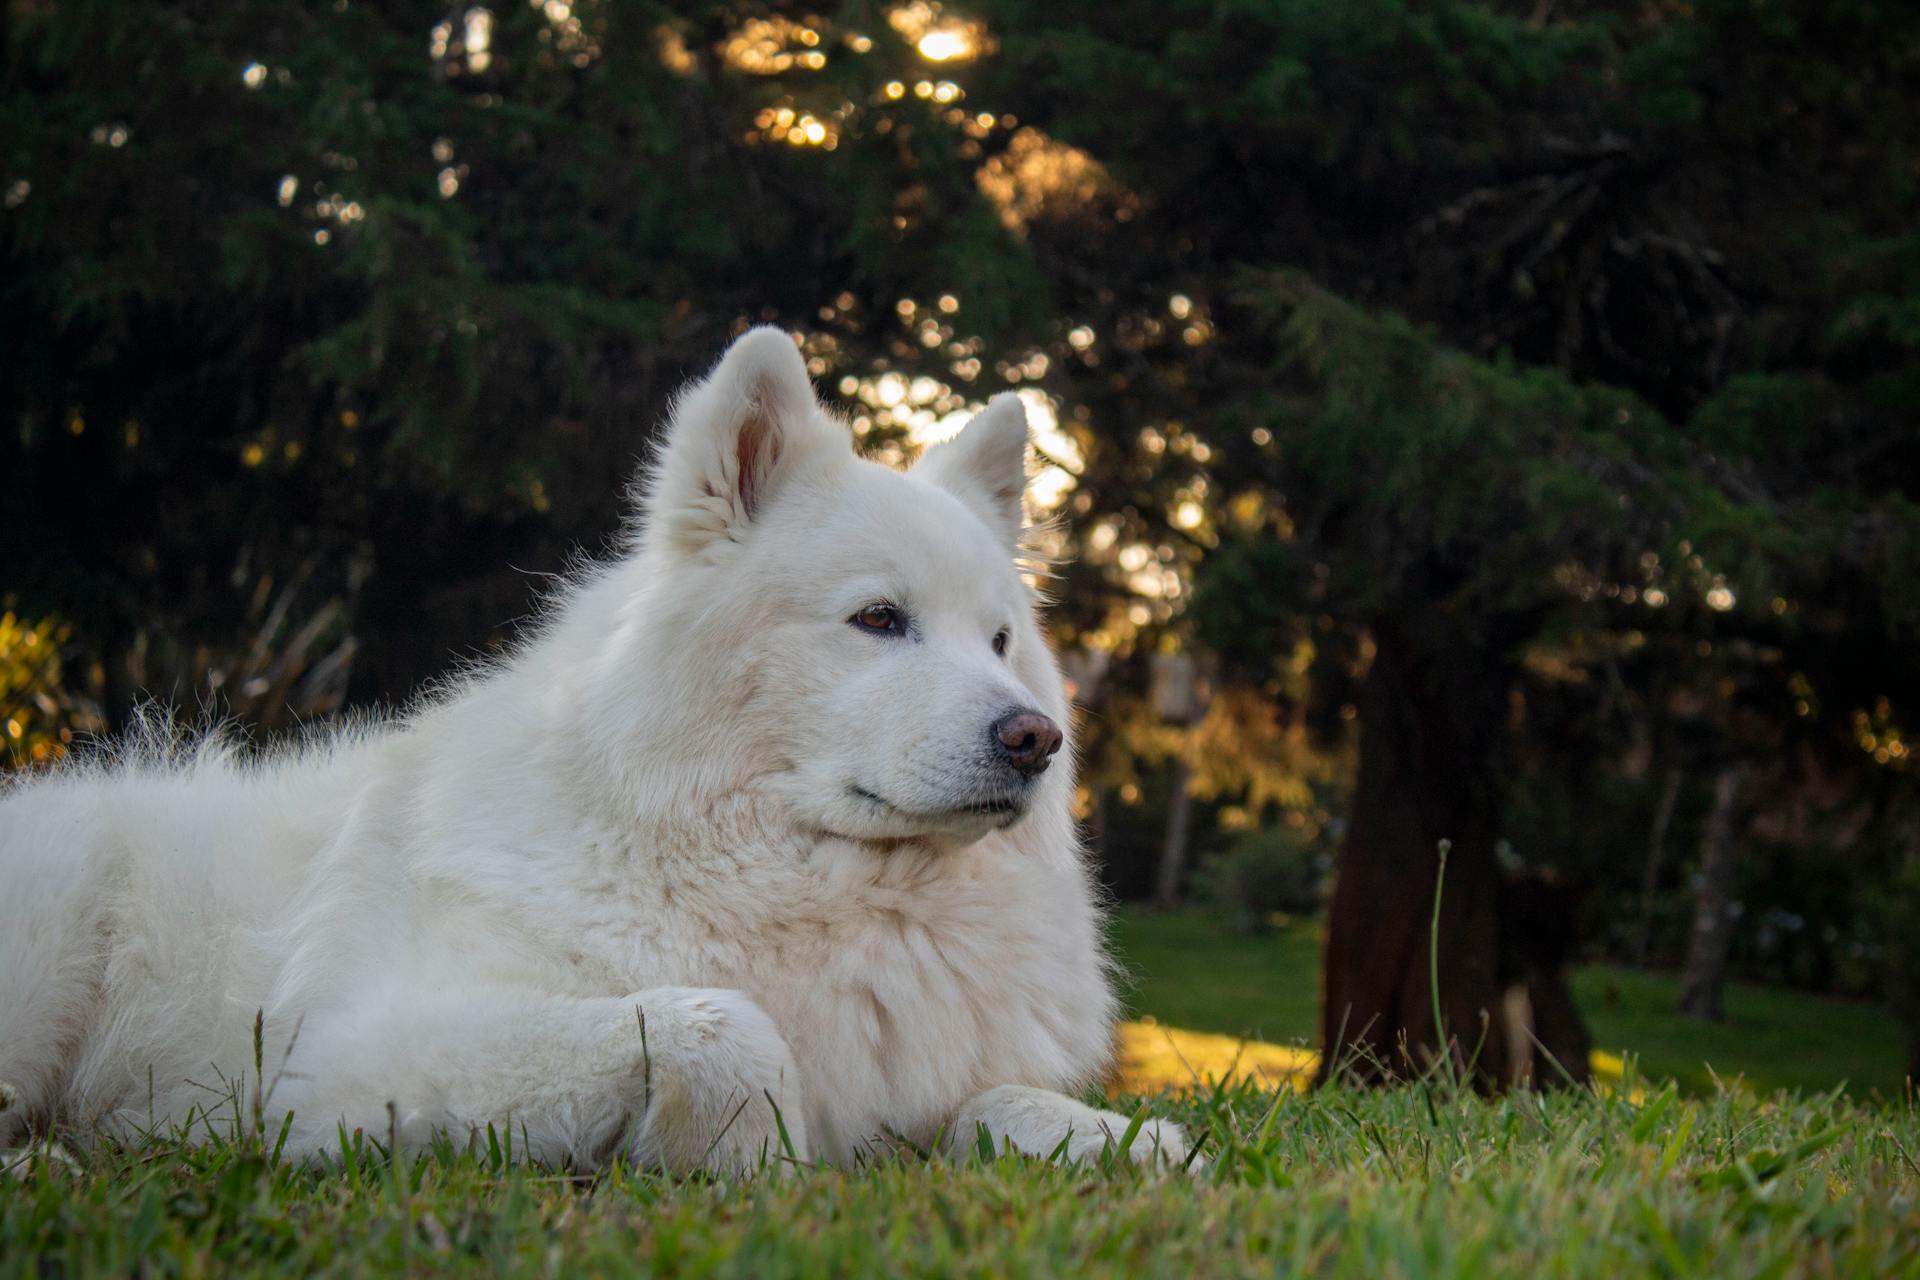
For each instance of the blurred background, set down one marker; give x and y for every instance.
(1480, 426)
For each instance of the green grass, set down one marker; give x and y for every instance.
(1189, 971)
(1772, 1038)
(1414, 1182)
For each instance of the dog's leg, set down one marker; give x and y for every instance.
(1038, 1122)
(722, 1091)
(677, 1077)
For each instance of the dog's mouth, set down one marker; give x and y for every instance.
(989, 808)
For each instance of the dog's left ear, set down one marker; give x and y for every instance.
(985, 466)
(735, 439)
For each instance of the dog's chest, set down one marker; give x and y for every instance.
(905, 983)
(906, 992)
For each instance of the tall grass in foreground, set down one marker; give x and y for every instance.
(1418, 1181)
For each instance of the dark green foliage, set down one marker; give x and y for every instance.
(520, 262)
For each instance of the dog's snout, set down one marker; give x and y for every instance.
(1027, 740)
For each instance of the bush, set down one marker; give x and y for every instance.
(1272, 871)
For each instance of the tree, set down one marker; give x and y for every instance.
(1702, 209)
(1451, 497)
(1673, 779)
(1706, 969)
(382, 299)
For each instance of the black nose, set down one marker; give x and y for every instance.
(1027, 740)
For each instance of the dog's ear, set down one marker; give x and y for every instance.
(734, 440)
(985, 466)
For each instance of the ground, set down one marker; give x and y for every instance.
(1191, 973)
(1639, 1178)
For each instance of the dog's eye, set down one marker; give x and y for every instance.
(1000, 642)
(881, 619)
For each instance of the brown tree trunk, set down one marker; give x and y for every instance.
(1173, 851)
(1547, 1041)
(1559, 1034)
(1656, 861)
(1706, 971)
(1903, 941)
(1433, 717)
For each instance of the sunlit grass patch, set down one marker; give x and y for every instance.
(1152, 1058)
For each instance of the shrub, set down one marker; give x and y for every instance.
(1275, 870)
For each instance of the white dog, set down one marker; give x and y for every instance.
(755, 849)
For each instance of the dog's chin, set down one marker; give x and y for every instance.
(869, 815)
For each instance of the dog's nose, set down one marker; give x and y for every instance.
(1027, 740)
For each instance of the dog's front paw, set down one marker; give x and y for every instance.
(718, 1086)
(1163, 1145)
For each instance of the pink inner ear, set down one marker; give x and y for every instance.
(757, 452)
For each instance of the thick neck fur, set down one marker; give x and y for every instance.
(603, 696)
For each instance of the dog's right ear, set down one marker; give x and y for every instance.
(733, 441)
(985, 465)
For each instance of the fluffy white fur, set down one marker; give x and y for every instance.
(703, 849)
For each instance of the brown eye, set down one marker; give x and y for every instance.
(1000, 643)
(882, 619)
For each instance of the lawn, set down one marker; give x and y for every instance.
(1422, 1181)
(1188, 971)
(1413, 1183)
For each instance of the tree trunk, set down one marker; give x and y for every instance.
(1656, 861)
(1903, 933)
(1559, 1042)
(1173, 853)
(1547, 1041)
(1706, 971)
(1434, 722)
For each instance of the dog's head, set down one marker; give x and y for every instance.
(865, 630)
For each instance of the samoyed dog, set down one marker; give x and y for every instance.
(760, 850)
